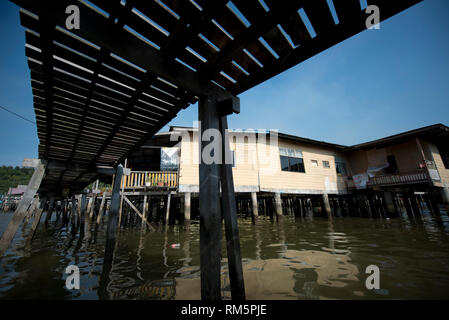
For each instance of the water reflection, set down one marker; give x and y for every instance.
(307, 258)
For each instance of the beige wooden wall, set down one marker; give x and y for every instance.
(432, 153)
(258, 167)
(406, 154)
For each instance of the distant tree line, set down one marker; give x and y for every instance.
(13, 176)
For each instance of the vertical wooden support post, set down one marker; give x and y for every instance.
(64, 204)
(31, 209)
(230, 217)
(210, 209)
(445, 195)
(255, 207)
(326, 205)
(278, 203)
(428, 203)
(83, 204)
(187, 201)
(341, 205)
(37, 218)
(389, 204)
(21, 211)
(167, 212)
(407, 204)
(73, 213)
(122, 183)
(414, 204)
(300, 208)
(101, 210)
(78, 212)
(433, 203)
(89, 204)
(51, 206)
(111, 232)
(144, 209)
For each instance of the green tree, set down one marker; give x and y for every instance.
(11, 177)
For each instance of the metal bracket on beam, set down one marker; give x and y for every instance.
(229, 106)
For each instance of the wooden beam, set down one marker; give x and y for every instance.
(111, 232)
(83, 207)
(187, 204)
(139, 213)
(101, 210)
(144, 208)
(37, 218)
(210, 211)
(20, 213)
(230, 219)
(167, 212)
(73, 213)
(51, 207)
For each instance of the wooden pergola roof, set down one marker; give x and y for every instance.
(102, 90)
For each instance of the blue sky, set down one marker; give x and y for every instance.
(376, 84)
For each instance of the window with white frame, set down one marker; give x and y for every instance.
(291, 160)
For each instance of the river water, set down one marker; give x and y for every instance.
(310, 258)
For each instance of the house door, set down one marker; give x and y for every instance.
(392, 165)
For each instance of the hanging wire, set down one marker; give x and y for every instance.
(18, 115)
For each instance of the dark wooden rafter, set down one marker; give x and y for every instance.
(47, 72)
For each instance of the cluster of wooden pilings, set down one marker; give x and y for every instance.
(151, 208)
(372, 204)
(176, 208)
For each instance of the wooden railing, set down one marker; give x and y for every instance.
(150, 179)
(398, 179)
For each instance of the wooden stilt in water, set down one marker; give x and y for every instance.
(20, 213)
(32, 209)
(389, 204)
(187, 204)
(73, 213)
(51, 207)
(37, 218)
(64, 204)
(428, 204)
(144, 209)
(407, 204)
(433, 203)
(122, 184)
(111, 233)
(414, 204)
(278, 203)
(230, 218)
(102, 207)
(167, 212)
(326, 205)
(144, 220)
(255, 206)
(83, 209)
